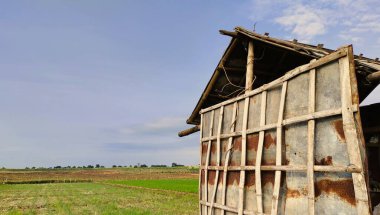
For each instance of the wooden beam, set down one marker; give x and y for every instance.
(228, 155)
(350, 132)
(310, 144)
(290, 121)
(243, 156)
(292, 168)
(218, 147)
(189, 131)
(373, 77)
(205, 192)
(279, 133)
(200, 164)
(212, 81)
(249, 74)
(259, 153)
(289, 75)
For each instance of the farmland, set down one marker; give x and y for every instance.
(110, 191)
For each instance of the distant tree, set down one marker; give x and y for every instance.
(57, 167)
(114, 166)
(119, 166)
(143, 165)
(97, 166)
(176, 165)
(3, 168)
(74, 167)
(90, 166)
(33, 167)
(155, 165)
(101, 166)
(26, 167)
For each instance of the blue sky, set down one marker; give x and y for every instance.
(112, 82)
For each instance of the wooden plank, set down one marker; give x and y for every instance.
(221, 112)
(294, 120)
(350, 132)
(243, 156)
(208, 158)
(259, 197)
(228, 155)
(229, 209)
(277, 179)
(293, 168)
(291, 74)
(200, 163)
(310, 145)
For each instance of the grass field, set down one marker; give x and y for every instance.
(160, 195)
(181, 185)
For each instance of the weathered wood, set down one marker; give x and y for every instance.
(229, 209)
(259, 154)
(277, 180)
(243, 156)
(298, 119)
(208, 157)
(200, 164)
(213, 80)
(228, 155)
(289, 75)
(310, 145)
(373, 77)
(189, 131)
(217, 158)
(350, 132)
(292, 168)
(250, 66)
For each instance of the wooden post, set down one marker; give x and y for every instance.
(249, 74)
(228, 155)
(310, 144)
(279, 135)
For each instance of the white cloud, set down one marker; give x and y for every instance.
(303, 21)
(349, 20)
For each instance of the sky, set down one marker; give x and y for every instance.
(112, 82)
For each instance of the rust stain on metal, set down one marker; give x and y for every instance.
(343, 188)
(211, 177)
(252, 144)
(204, 148)
(269, 140)
(233, 177)
(252, 141)
(327, 161)
(237, 144)
(220, 179)
(293, 193)
(250, 179)
(338, 126)
(267, 177)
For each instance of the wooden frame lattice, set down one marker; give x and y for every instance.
(346, 111)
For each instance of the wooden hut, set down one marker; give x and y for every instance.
(281, 131)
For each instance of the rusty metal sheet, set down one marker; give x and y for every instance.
(230, 148)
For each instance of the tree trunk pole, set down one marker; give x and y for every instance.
(249, 74)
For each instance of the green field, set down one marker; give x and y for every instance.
(134, 196)
(181, 185)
